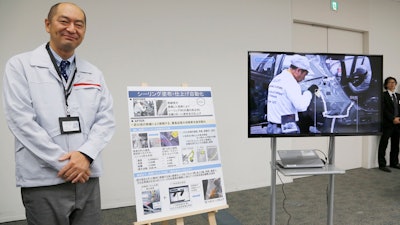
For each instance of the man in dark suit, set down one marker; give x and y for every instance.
(390, 126)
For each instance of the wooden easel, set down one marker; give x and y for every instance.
(180, 218)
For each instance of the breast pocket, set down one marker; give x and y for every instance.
(89, 92)
(84, 102)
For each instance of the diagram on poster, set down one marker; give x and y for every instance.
(175, 152)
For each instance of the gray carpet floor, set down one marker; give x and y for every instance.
(362, 197)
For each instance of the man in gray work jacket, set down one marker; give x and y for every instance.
(60, 111)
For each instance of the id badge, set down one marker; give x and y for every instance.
(69, 125)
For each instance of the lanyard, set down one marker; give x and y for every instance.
(68, 90)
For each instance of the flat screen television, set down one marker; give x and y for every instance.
(345, 90)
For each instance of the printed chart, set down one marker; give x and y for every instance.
(175, 153)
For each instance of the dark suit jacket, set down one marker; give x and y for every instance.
(388, 109)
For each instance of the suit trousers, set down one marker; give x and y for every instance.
(63, 204)
(393, 134)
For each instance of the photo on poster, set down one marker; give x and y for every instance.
(151, 201)
(169, 138)
(212, 188)
(154, 142)
(139, 140)
(162, 107)
(188, 156)
(143, 108)
(179, 194)
(212, 153)
(201, 154)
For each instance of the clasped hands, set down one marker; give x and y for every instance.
(77, 169)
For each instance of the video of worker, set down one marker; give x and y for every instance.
(297, 94)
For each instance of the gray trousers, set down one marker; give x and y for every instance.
(63, 204)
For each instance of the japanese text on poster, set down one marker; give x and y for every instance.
(175, 152)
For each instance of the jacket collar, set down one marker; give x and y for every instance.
(41, 58)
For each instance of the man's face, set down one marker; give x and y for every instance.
(66, 28)
(391, 85)
(300, 74)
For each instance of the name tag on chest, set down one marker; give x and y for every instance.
(69, 125)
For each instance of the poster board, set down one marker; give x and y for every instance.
(175, 152)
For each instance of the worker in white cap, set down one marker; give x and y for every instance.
(285, 98)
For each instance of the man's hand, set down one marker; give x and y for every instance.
(313, 88)
(77, 169)
(396, 120)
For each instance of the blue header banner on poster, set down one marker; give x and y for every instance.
(174, 148)
(168, 94)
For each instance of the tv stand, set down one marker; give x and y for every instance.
(328, 169)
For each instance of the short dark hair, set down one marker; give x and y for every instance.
(387, 81)
(53, 11)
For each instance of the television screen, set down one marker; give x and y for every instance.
(314, 94)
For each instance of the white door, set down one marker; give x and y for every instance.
(350, 152)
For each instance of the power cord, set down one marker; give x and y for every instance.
(284, 200)
(284, 194)
(323, 153)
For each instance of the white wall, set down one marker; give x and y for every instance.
(166, 43)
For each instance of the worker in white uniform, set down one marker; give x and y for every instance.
(285, 98)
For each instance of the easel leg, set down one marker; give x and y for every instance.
(211, 218)
(179, 221)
